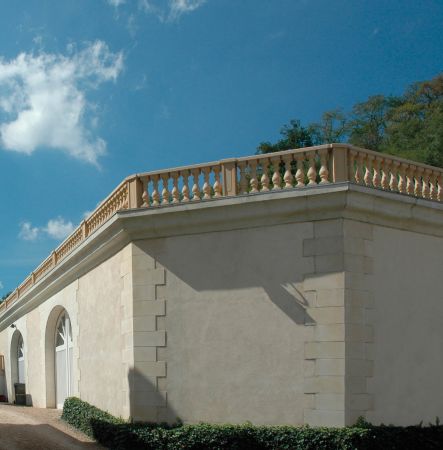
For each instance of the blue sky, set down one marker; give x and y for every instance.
(94, 90)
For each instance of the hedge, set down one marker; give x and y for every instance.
(118, 434)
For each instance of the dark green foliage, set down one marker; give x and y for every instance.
(4, 297)
(117, 434)
(294, 135)
(409, 126)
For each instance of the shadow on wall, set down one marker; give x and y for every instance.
(270, 258)
(146, 402)
(27, 437)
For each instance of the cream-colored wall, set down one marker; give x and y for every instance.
(235, 323)
(313, 322)
(100, 341)
(94, 301)
(3, 347)
(33, 328)
(35, 376)
(407, 318)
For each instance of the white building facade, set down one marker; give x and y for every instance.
(264, 302)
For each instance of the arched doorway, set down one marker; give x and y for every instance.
(63, 359)
(20, 360)
(17, 355)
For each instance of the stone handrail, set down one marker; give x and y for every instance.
(289, 169)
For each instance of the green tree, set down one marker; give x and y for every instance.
(333, 127)
(293, 135)
(410, 125)
(415, 127)
(5, 296)
(369, 120)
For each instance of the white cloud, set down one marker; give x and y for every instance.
(43, 98)
(1, 285)
(57, 228)
(28, 232)
(116, 3)
(179, 7)
(171, 10)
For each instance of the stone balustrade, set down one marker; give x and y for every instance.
(259, 174)
(394, 174)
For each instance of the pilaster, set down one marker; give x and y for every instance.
(148, 396)
(358, 323)
(325, 352)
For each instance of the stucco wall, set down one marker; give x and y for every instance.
(33, 327)
(100, 341)
(3, 346)
(94, 301)
(35, 376)
(407, 318)
(313, 322)
(235, 323)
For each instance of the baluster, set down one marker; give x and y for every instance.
(206, 187)
(300, 175)
(185, 188)
(243, 179)
(175, 193)
(439, 190)
(145, 195)
(217, 185)
(425, 186)
(165, 191)
(402, 178)
(287, 178)
(384, 178)
(155, 194)
(433, 185)
(351, 168)
(265, 177)
(276, 178)
(195, 186)
(376, 178)
(418, 186)
(359, 170)
(253, 181)
(393, 183)
(368, 172)
(324, 172)
(312, 173)
(410, 181)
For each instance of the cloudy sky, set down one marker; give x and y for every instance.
(94, 90)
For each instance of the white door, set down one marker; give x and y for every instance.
(21, 360)
(63, 359)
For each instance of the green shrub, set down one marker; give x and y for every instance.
(118, 434)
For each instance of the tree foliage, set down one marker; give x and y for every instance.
(4, 297)
(410, 125)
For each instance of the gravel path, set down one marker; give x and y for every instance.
(39, 429)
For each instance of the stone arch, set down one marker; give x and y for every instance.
(50, 355)
(17, 337)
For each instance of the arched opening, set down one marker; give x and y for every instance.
(21, 360)
(63, 359)
(17, 355)
(58, 358)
